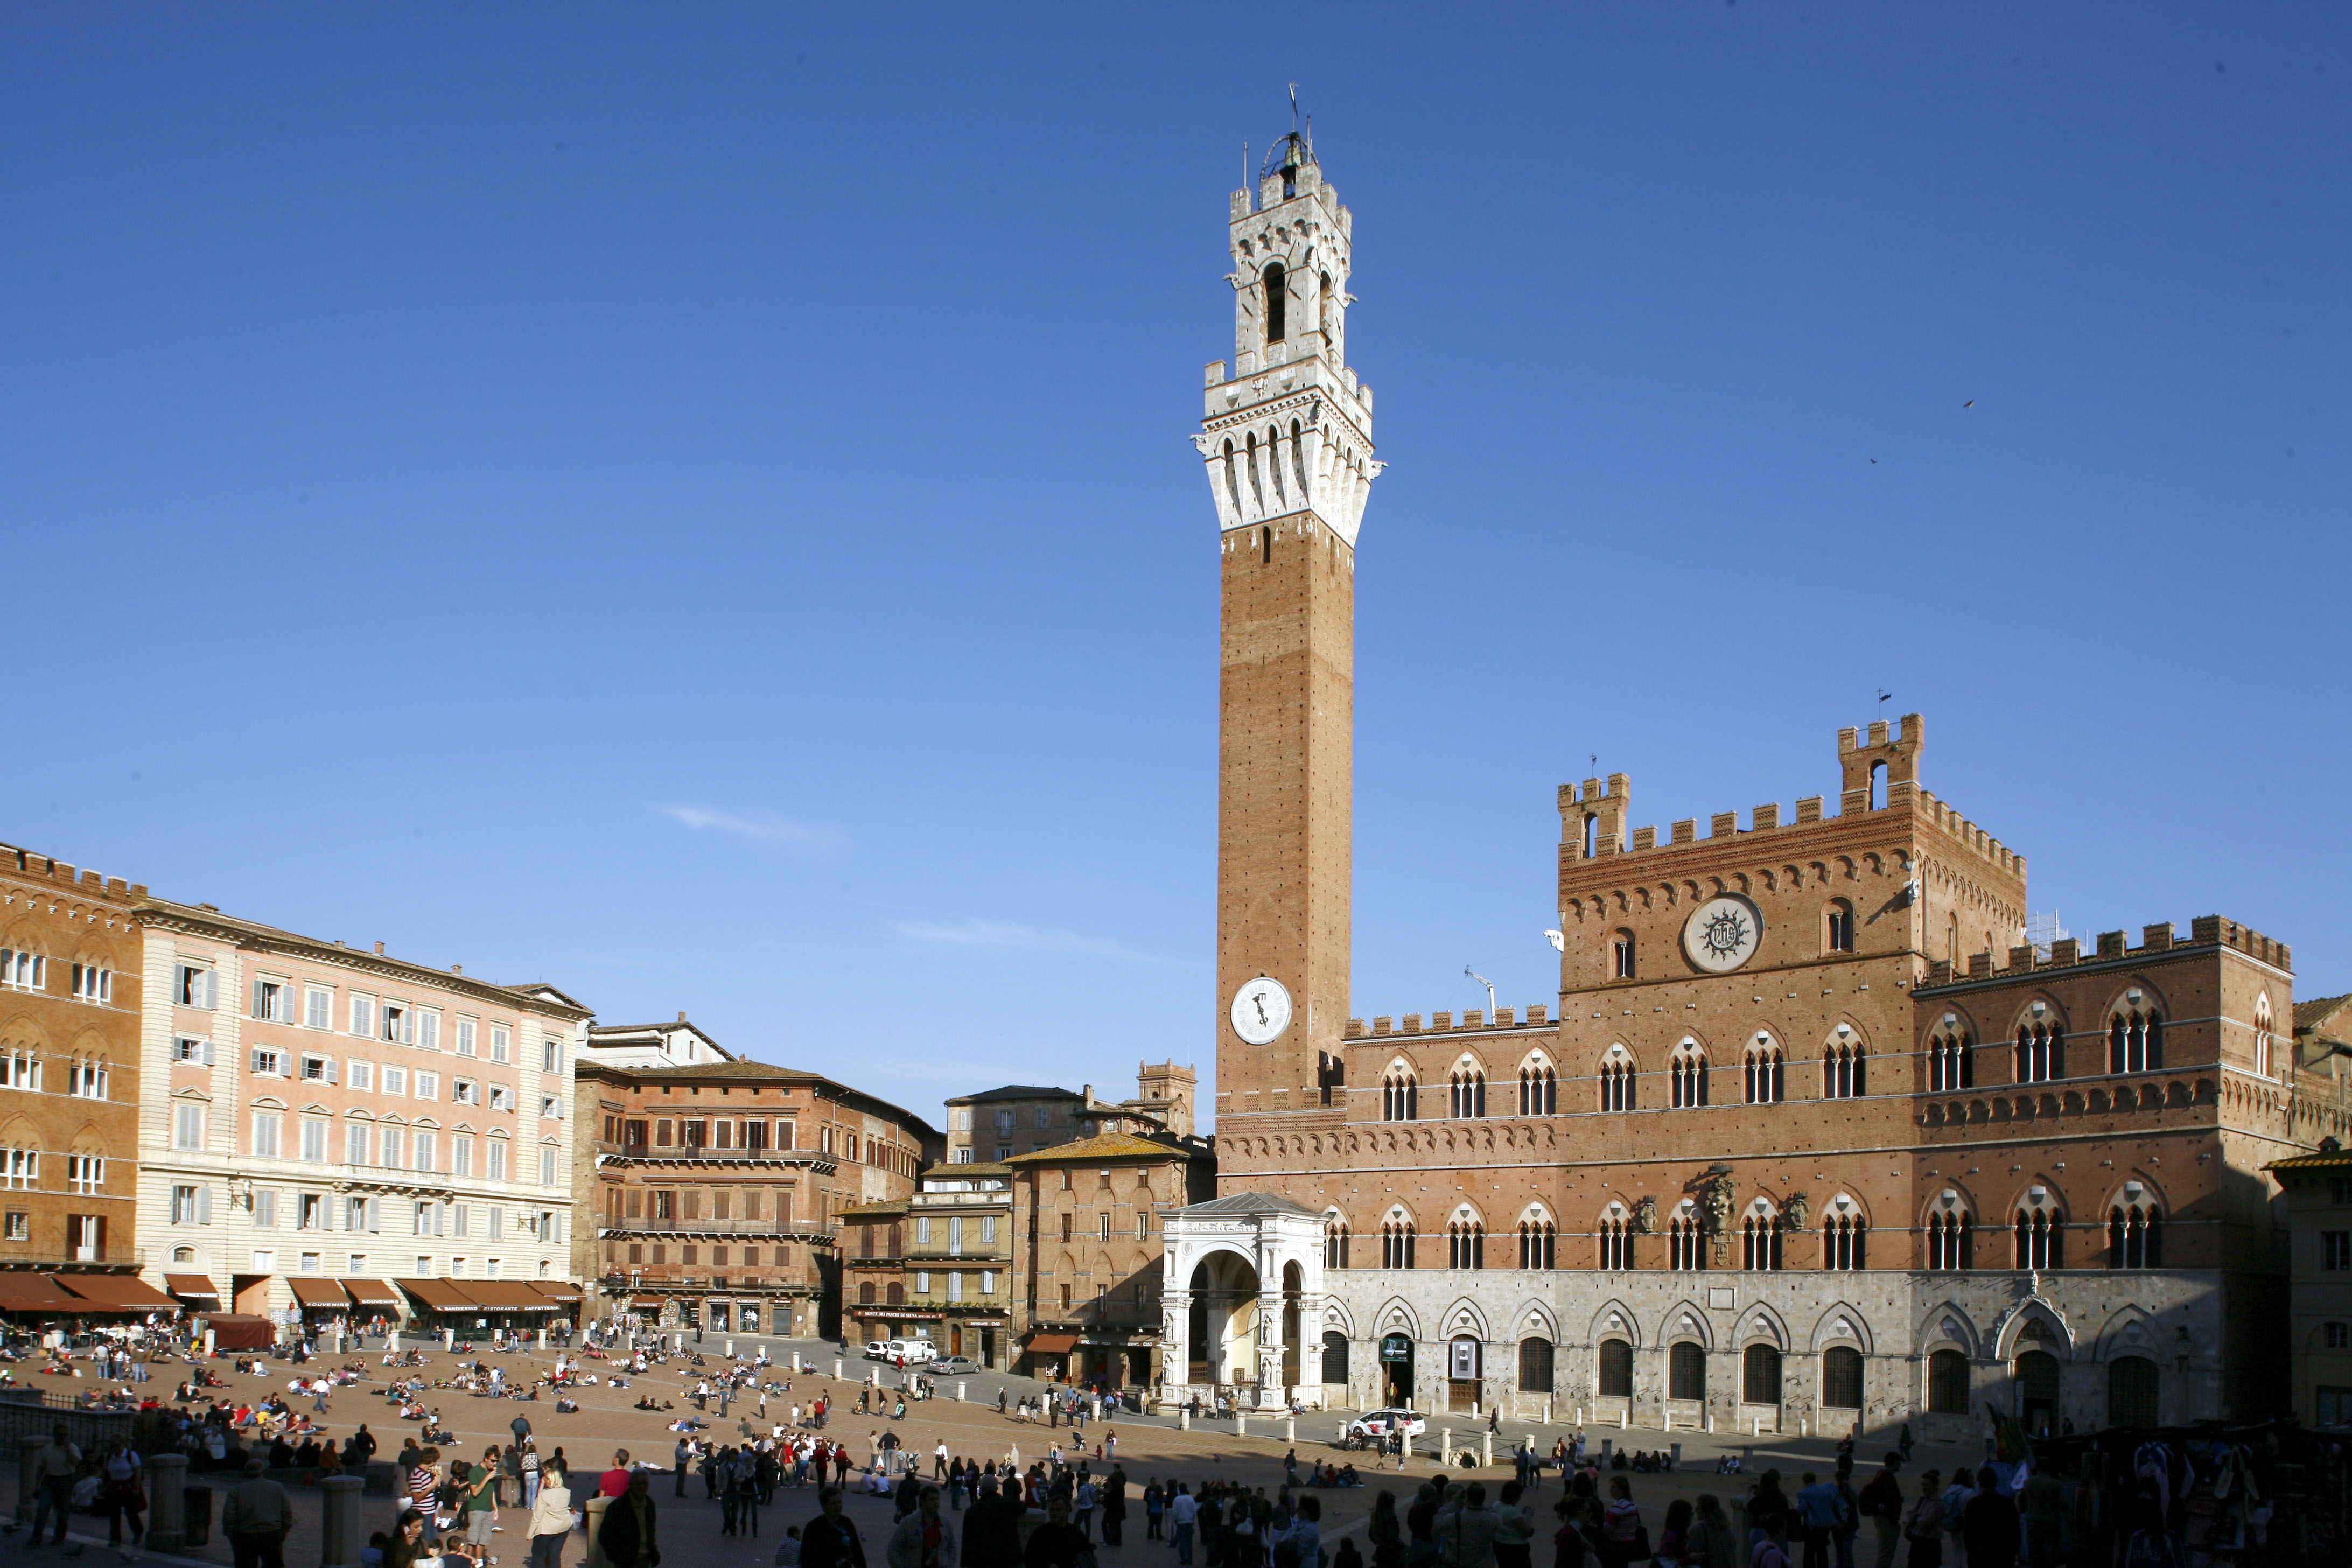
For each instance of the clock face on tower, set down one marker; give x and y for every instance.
(1722, 933)
(1261, 1010)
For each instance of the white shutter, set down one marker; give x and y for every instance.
(203, 1205)
(333, 1070)
(375, 1215)
(256, 999)
(208, 1053)
(212, 988)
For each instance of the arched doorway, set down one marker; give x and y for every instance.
(1335, 1360)
(1396, 1370)
(1224, 1325)
(2037, 1392)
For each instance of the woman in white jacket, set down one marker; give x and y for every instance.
(551, 1518)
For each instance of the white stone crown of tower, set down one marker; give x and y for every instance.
(1291, 430)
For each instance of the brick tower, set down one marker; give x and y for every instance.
(1288, 444)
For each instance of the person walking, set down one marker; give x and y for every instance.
(54, 1469)
(1923, 1528)
(1882, 1503)
(925, 1538)
(125, 1492)
(551, 1517)
(256, 1518)
(1817, 1506)
(830, 1540)
(681, 1458)
(1181, 1512)
(480, 1500)
(628, 1538)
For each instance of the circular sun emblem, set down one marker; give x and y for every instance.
(1722, 933)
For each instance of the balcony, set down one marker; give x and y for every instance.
(766, 1229)
(714, 1159)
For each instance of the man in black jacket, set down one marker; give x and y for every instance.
(627, 1536)
(992, 1530)
(830, 1540)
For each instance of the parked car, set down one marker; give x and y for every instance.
(1380, 1422)
(955, 1366)
(878, 1350)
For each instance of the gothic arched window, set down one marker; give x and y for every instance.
(1278, 302)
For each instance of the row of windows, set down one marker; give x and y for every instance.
(2133, 1382)
(391, 1079)
(2135, 1240)
(954, 1284)
(22, 971)
(2135, 1044)
(367, 1018)
(669, 1205)
(690, 1255)
(86, 1077)
(391, 1146)
(1624, 947)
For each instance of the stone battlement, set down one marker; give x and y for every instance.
(2066, 953)
(1537, 1017)
(28, 864)
(1595, 816)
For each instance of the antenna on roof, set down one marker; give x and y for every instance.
(1490, 989)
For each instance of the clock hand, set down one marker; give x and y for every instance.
(1260, 999)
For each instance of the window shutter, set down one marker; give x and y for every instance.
(212, 988)
(208, 1053)
(333, 1069)
(203, 1205)
(256, 998)
(408, 1026)
(375, 1213)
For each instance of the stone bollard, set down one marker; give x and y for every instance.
(1547, 1420)
(593, 1516)
(1404, 1448)
(1625, 1417)
(961, 1397)
(28, 1461)
(731, 1350)
(836, 1369)
(1485, 1450)
(1446, 1448)
(338, 1522)
(1183, 1418)
(167, 1513)
(1759, 1427)
(1290, 1429)
(1240, 1422)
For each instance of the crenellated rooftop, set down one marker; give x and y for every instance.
(2066, 953)
(1474, 1020)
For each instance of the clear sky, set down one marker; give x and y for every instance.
(693, 503)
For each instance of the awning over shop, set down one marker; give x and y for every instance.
(438, 1294)
(558, 1291)
(507, 1296)
(647, 1304)
(1052, 1344)
(371, 1292)
(125, 1290)
(33, 1293)
(323, 1294)
(194, 1287)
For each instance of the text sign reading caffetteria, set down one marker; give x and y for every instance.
(1722, 933)
(1261, 1010)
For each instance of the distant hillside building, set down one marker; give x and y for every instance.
(1021, 1119)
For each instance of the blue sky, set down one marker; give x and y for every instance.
(693, 503)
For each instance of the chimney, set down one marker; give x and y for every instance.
(681, 1014)
(379, 949)
(1086, 1092)
(456, 969)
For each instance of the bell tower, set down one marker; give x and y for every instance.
(1287, 443)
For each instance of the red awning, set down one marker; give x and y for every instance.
(439, 1295)
(32, 1293)
(195, 1287)
(1053, 1344)
(508, 1296)
(557, 1290)
(322, 1294)
(371, 1292)
(127, 1291)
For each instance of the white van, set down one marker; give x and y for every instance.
(912, 1350)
